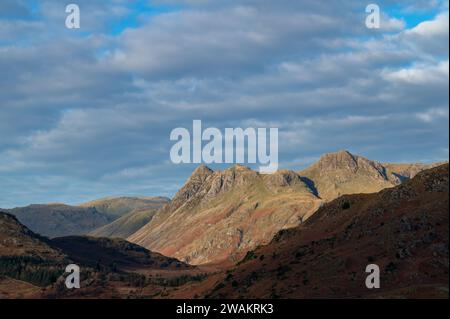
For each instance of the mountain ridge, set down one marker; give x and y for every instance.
(56, 220)
(237, 205)
(246, 208)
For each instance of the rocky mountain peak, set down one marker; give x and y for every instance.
(340, 173)
(201, 173)
(338, 160)
(240, 168)
(283, 178)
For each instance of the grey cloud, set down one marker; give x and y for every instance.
(84, 117)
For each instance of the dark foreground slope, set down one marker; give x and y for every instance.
(404, 230)
(27, 260)
(54, 220)
(112, 254)
(32, 266)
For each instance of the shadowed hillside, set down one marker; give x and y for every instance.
(32, 266)
(55, 220)
(26, 257)
(113, 254)
(403, 229)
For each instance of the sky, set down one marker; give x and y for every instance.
(87, 113)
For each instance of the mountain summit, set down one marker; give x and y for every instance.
(219, 216)
(341, 173)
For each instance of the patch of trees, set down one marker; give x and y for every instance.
(30, 269)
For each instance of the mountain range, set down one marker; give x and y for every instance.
(55, 220)
(237, 233)
(216, 217)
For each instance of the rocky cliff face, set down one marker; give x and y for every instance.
(219, 216)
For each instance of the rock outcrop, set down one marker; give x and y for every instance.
(219, 216)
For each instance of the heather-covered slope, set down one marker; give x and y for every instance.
(18, 240)
(32, 266)
(26, 257)
(403, 229)
(219, 216)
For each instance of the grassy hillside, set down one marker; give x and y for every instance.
(126, 225)
(119, 206)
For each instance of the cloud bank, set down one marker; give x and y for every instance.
(87, 113)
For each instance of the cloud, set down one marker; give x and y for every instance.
(434, 114)
(421, 74)
(88, 113)
(430, 37)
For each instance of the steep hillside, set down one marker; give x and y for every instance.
(56, 220)
(219, 216)
(18, 240)
(119, 206)
(26, 256)
(32, 266)
(112, 254)
(404, 230)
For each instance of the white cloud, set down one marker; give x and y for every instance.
(433, 114)
(421, 74)
(430, 37)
